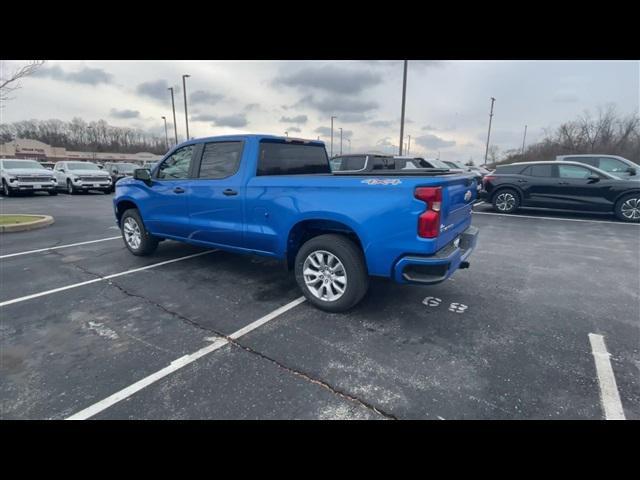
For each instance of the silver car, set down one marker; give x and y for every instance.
(615, 165)
(76, 177)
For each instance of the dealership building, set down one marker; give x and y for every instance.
(35, 150)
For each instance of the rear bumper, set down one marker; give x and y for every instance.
(436, 268)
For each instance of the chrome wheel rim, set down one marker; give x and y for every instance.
(505, 202)
(324, 275)
(631, 209)
(132, 233)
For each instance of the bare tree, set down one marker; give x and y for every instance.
(10, 82)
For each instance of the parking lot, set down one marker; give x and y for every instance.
(189, 333)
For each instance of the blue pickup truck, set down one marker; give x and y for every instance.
(277, 197)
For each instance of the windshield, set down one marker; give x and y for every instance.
(125, 167)
(440, 164)
(82, 166)
(9, 164)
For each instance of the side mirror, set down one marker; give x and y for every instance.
(62, 170)
(143, 175)
(594, 178)
(632, 171)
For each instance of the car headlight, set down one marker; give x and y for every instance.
(12, 179)
(54, 180)
(76, 179)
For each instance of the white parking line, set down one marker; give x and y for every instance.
(609, 395)
(59, 246)
(100, 279)
(554, 218)
(178, 364)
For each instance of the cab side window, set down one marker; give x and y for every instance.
(612, 165)
(177, 166)
(220, 160)
(573, 171)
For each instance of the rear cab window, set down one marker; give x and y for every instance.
(292, 158)
(220, 160)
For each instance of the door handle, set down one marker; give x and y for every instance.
(229, 192)
(178, 190)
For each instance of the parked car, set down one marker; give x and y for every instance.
(76, 177)
(564, 186)
(277, 197)
(26, 176)
(119, 170)
(613, 164)
(48, 165)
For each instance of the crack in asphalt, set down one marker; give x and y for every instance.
(246, 348)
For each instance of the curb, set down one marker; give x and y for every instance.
(41, 222)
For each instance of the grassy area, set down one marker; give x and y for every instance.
(16, 219)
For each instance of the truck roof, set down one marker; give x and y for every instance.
(259, 136)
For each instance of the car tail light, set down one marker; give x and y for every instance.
(429, 220)
(487, 178)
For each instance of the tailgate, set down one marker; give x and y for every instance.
(457, 198)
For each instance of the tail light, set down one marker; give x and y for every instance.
(429, 220)
(486, 179)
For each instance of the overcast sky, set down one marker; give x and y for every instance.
(447, 101)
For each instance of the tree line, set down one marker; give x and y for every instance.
(84, 136)
(607, 132)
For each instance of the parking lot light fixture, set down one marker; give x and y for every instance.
(404, 98)
(331, 151)
(173, 107)
(166, 133)
(186, 114)
(340, 140)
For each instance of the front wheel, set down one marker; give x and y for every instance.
(628, 208)
(331, 272)
(6, 190)
(70, 189)
(506, 201)
(136, 237)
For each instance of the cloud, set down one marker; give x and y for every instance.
(235, 120)
(296, 119)
(88, 76)
(565, 97)
(330, 79)
(124, 113)
(293, 129)
(352, 117)
(429, 127)
(158, 90)
(200, 96)
(434, 142)
(382, 123)
(326, 132)
(336, 104)
(251, 106)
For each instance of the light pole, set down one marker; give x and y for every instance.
(524, 138)
(349, 140)
(286, 133)
(173, 106)
(186, 115)
(331, 152)
(166, 134)
(404, 97)
(486, 152)
(340, 140)
(409, 144)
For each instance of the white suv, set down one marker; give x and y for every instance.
(81, 176)
(26, 176)
(613, 164)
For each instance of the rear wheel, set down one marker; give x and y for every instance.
(628, 208)
(136, 237)
(506, 201)
(331, 272)
(70, 189)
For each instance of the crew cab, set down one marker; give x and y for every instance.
(277, 197)
(25, 176)
(74, 177)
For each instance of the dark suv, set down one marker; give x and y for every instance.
(119, 170)
(563, 186)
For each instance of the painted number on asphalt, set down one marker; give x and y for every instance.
(457, 307)
(431, 301)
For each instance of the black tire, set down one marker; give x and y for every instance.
(6, 190)
(52, 192)
(70, 188)
(506, 200)
(353, 263)
(628, 207)
(148, 243)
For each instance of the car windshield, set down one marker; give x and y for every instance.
(82, 166)
(125, 167)
(11, 164)
(439, 164)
